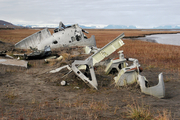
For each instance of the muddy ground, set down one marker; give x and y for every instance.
(34, 93)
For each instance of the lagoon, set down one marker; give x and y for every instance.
(171, 39)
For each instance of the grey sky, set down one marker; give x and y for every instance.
(140, 13)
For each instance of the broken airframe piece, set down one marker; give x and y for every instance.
(105, 51)
(89, 80)
(130, 75)
(33, 40)
(92, 60)
(157, 91)
(3, 53)
(92, 49)
(60, 68)
(116, 64)
(54, 58)
(62, 36)
(96, 58)
(39, 53)
(127, 75)
(14, 62)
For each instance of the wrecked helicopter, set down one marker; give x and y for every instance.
(62, 37)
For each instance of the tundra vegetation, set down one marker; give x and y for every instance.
(34, 93)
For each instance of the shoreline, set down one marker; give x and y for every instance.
(167, 39)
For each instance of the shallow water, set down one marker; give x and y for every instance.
(171, 39)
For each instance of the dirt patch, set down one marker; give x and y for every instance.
(6, 46)
(34, 93)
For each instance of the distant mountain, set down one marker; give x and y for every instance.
(87, 27)
(2, 22)
(5, 24)
(120, 27)
(167, 27)
(27, 26)
(105, 27)
(110, 27)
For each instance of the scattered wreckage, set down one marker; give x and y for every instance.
(63, 36)
(35, 54)
(88, 64)
(42, 42)
(9, 60)
(14, 62)
(126, 74)
(131, 74)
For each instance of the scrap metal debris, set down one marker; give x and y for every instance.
(126, 74)
(38, 53)
(88, 64)
(35, 54)
(42, 42)
(63, 36)
(9, 60)
(53, 58)
(116, 64)
(60, 68)
(64, 83)
(157, 90)
(14, 62)
(90, 80)
(3, 53)
(131, 74)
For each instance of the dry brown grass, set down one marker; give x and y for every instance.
(14, 36)
(151, 54)
(165, 115)
(105, 36)
(137, 112)
(102, 36)
(144, 112)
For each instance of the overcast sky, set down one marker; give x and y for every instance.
(140, 13)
